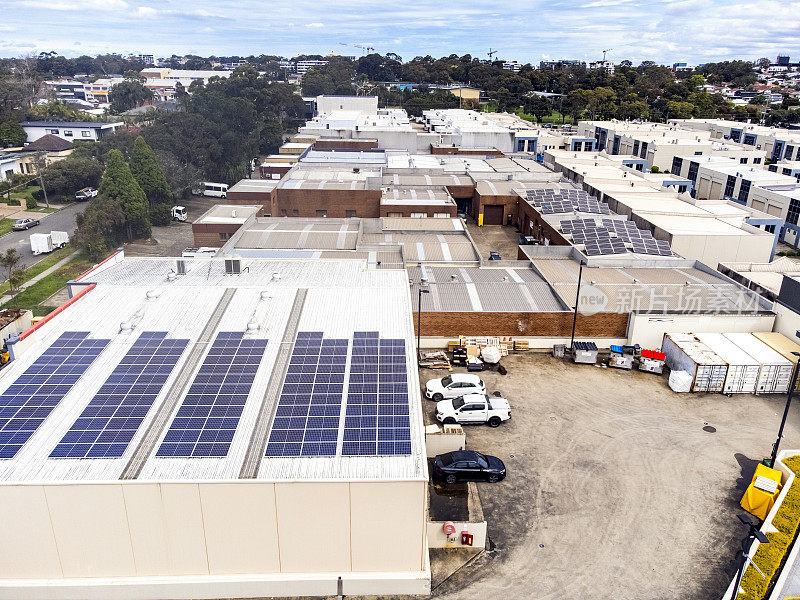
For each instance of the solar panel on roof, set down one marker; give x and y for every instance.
(377, 416)
(207, 419)
(306, 421)
(28, 401)
(106, 426)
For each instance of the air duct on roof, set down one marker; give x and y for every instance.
(233, 266)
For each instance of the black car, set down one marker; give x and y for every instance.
(468, 465)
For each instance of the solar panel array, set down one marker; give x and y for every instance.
(206, 421)
(551, 201)
(641, 240)
(32, 397)
(377, 417)
(306, 422)
(106, 426)
(605, 246)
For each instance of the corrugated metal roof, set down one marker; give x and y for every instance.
(342, 297)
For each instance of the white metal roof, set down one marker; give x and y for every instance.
(343, 296)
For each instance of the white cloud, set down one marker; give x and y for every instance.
(146, 11)
(316, 25)
(84, 5)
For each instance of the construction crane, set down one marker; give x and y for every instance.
(491, 53)
(604, 53)
(365, 47)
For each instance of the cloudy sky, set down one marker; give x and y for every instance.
(666, 31)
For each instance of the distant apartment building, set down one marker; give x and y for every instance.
(68, 130)
(561, 64)
(512, 65)
(303, 66)
(681, 66)
(98, 91)
(147, 59)
(67, 89)
(605, 65)
(779, 144)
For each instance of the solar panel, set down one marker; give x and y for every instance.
(307, 418)
(206, 421)
(377, 417)
(32, 397)
(106, 426)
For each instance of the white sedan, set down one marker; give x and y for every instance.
(453, 386)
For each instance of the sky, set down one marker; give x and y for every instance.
(666, 31)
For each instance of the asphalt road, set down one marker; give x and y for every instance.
(62, 220)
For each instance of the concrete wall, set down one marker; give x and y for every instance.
(364, 104)
(54, 534)
(440, 443)
(714, 249)
(648, 330)
(787, 321)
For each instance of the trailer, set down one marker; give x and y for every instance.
(44, 243)
(684, 352)
(783, 346)
(743, 369)
(775, 374)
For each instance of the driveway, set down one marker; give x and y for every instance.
(62, 220)
(615, 490)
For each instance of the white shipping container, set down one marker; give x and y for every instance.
(684, 352)
(743, 369)
(775, 374)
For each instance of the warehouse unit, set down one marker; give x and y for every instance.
(783, 346)
(239, 428)
(684, 352)
(743, 369)
(775, 374)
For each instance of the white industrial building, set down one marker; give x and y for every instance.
(216, 430)
(68, 130)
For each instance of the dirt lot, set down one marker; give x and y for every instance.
(499, 238)
(175, 237)
(614, 488)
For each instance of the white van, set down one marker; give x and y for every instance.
(218, 190)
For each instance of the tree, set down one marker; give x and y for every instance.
(316, 83)
(99, 227)
(12, 134)
(148, 173)
(120, 187)
(65, 177)
(9, 261)
(539, 107)
(128, 94)
(763, 63)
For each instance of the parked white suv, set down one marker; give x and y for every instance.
(453, 386)
(473, 408)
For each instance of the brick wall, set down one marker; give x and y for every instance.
(345, 144)
(509, 205)
(406, 211)
(268, 172)
(545, 324)
(209, 234)
(541, 229)
(366, 203)
(265, 199)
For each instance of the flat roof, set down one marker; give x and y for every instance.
(253, 185)
(688, 288)
(484, 289)
(82, 124)
(227, 213)
(272, 300)
(299, 234)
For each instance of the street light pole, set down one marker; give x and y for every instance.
(777, 443)
(575, 315)
(747, 543)
(423, 289)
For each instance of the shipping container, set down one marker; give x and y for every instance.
(776, 371)
(783, 346)
(743, 369)
(684, 352)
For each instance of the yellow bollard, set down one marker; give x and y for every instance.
(480, 219)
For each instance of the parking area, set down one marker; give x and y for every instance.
(614, 487)
(497, 238)
(173, 239)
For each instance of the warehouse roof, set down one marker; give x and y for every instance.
(227, 214)
(427, 247)
(417, 196)
(253, 185)
(297, 233)
(685, 287)
(489, 289)
(269, 314)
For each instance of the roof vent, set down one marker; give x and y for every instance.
(125, 326)
(233, 266)
(180, 267)
(252, 326)
(153, 293)
(171, 276)
(265, 295)
(276, 276)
